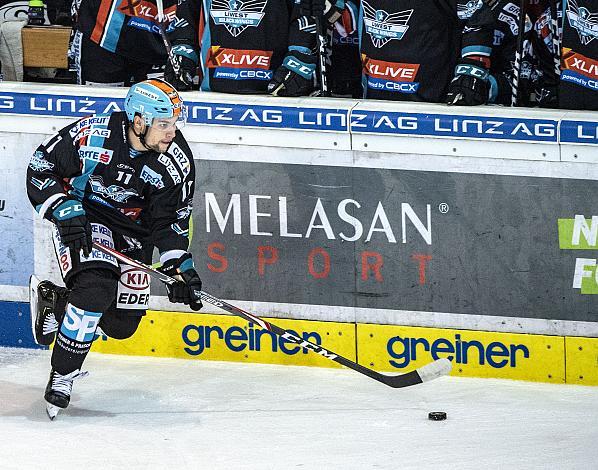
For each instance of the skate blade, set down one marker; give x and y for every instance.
(52, 411)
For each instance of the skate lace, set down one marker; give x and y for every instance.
(64, 383)
(50, 324)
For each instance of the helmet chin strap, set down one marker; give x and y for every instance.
(141, 136)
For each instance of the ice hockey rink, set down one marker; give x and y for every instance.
(135, 412)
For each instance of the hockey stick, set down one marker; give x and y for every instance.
(322, 57)
(183, 76)
(556, 39)
(518, 54)
(425, 373)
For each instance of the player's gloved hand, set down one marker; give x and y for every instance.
(186, 59)
(188, 290)
(295, 77)
(471, 86)
(75, 230)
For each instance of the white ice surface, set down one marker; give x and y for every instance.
(174, 414)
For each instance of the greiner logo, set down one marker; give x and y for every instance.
(198, 338)
(496, 354)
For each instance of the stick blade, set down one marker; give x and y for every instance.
(430, 371)
(435, 369)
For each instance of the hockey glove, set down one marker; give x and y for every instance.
(471, 86)
(322, 8)
(186, 59)
(295, 77)
(188, 289)
(74, 228)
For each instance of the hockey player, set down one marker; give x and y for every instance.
(124, 180)
(339, 22)
(397, 63)
(117, 42)
(244, 47)
(578, 88)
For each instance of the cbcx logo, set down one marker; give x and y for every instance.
(580, 233)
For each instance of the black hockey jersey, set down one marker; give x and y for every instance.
(147, 197)
(127, 28)
(578, 88)
(409, 48)
(241, 44)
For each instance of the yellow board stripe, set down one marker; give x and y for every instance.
(385, 348)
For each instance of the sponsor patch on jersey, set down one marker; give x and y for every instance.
(151, 177)
(102, 235)
(95, 154)
(90, 132)
(240, 64)
(133, 288)
(237, 15)
(238, 58)
(580, 70)
(394, 71)
(243, 74)
(170, 168)
(181, 160)
(88, 122)
(382, 26)
(63, 254)
(390, 76)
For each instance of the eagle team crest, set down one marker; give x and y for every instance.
(237, 15)
(583, 21)
(384, 27)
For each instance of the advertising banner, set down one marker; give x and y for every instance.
(473, 353)
(230, 338)
(479, 244)
(16, 218)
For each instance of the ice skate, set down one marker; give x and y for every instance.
(58, 391)
(47, 302)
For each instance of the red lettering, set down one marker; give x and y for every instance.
(310, 263)
(262, 260)
(422, 259)
(366, 266)
(212, 247)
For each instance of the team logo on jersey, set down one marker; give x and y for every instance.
(583, 21)
(114, 192)
(237, 15)
(38, 162)
(465, 10)
(384, 27)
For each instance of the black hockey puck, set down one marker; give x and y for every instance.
(437, 415)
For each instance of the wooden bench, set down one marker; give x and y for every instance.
(45, 46)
